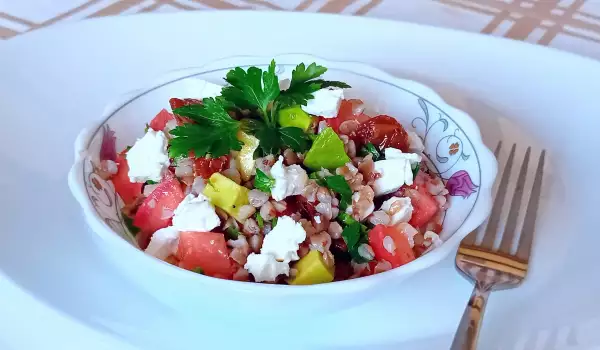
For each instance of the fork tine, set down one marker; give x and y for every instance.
(515, 206)
(494, 221)
(526, 238)
(471, 237)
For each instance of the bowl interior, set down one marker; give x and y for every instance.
(450, 151)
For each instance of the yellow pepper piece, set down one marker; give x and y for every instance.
(226, 194)
(312, 269)
(245, 157)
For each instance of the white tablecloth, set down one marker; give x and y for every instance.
(571, 25)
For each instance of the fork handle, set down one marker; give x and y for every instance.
(465, 337)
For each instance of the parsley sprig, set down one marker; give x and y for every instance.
(257, 91)
(214, 131)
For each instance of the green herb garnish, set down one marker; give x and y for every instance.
(369, 148)
(150, 182)
(199, 270)
(338, 184)
(232, 232)
(130, 226)
(274, 222)
(304, 83)
(214, 132)
(263, 182)
(354, 236)
(416, 170)
(347, 219)
(259, 220)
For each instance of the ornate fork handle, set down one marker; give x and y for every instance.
(468, 330)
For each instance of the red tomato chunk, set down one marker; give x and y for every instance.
(205, 250)
(391, 245)
(152, 215)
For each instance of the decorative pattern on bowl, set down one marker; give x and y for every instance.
(452, 140)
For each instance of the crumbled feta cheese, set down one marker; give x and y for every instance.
(432, 240)
(163, 243)
(399, 209)
(408, 231)
(265, 268)
(415, 144)
(289, 181)
(195, 213)
(148, 158)
(326, 103)
(284, 240)
(395, 171)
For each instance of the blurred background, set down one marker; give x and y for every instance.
(571, 25)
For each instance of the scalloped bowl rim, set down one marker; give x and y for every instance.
(476, 217)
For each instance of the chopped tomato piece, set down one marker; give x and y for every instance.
(382, 131)
(127, 190)
(160, 121)
(178, 102)
(396, 249)
(206, 167)
(345, 113)
(154, 212)
(205, 250)
(424, 205)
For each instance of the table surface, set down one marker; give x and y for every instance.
(571, 25)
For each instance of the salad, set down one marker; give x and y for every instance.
(277, 181)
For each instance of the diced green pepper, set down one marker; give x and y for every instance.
(326, 152)
(295, 117)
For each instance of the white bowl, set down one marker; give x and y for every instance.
(452, 143)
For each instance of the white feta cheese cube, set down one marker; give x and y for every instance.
(163, 243)
(326, 102)
(195, 213)
(289, 181)
(395, 171)
(265, 268)
(284, 240)
(399, 209)
(148, 157)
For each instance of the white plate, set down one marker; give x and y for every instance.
(55, 81)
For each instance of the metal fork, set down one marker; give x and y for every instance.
(490, 268)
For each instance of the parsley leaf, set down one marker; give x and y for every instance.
(252, 88)
(272, 139)
(415, 171)
(338, 184)
(354, 236)
(232, 232)
(294, 138)
(263, 182)
(214, 133)
(304, 84)
(134, 230)
(270, 142)
(347, 219)
(274, 222)
(370, 148)
(259, 220)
